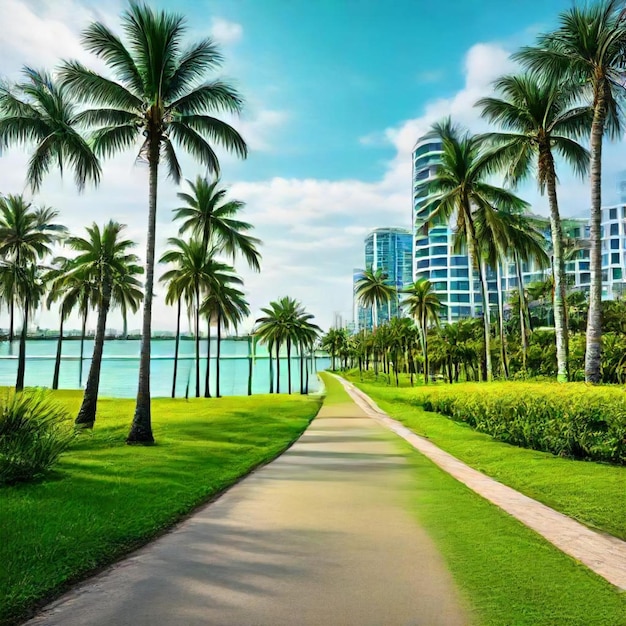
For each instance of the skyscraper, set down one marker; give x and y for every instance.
(388, 250)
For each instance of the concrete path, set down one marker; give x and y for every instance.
(602, 553)
(320, 537)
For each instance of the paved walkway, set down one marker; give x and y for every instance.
(322, 536)
(604, 554)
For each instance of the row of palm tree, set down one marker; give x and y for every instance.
(157, 97)
(570, 89)
(286, 323)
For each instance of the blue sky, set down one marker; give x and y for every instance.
(336, 94)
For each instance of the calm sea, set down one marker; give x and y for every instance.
(120, 367)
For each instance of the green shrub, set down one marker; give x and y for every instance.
(34, 431)
(573, 420)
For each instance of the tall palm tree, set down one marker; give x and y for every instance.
(158, 100)
(307, 335)
(104, 259)
(175, 294)
(458, 188)
(269, 331)
(196, 271)
(540, 119)
(27, 234)
(39, 111)
(69, 289)
(209, 216)
(424, 306)
(29, 281)
(373, 290)
(229, 307)
(587, 50)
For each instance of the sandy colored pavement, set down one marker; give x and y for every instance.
(322, 536)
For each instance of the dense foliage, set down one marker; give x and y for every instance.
(34, 431)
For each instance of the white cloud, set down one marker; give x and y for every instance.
(226, 32)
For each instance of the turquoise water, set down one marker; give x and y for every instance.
(120, 367)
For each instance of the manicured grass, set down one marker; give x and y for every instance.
(106, 498)
(593, 493)
(509, 575)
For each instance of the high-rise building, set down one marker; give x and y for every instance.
(389, 250)
(434, 259)
(456, 283)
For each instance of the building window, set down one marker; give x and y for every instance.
(440, 286)
(583, 265)
(614, 244)
(512, 283)
(605, 259)
(440, 262)
(444, 238)
(459, 297)
(585, 278)
(422, 264)
(617, 273)
(614, 258)
(459, 272)
(605, 276)
(459, 261)
(439, 273)
(614, 230)
(422, 242)
(439, 250)
(460, 285)
(612, 214)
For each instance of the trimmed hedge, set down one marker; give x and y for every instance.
(574, 419)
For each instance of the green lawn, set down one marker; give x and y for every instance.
(106, 498)
(593, 493)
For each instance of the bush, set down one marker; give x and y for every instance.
(573, 420)
(34, 431)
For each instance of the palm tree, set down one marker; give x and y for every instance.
(373, 290)
(29, 282)
(175, 294)
(423, 306)
(541, 120)
(158, 100)
(458, 188)
(270, 332)
(229, 307)
(27, 234)
(195, 271)
(210, 217)
(103, 259)
(587, 50)
(70, 290)
(39, 111)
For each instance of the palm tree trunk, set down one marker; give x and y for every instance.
(269, 354)
(503, 353)
(301, 355)
(21, 360)
(250, 363)
(558, 273)
(83, 332)
(141, 428)
(523, 307)
(176, 346)
(472, 253)
(306, 369)
(219, 350)
(11, 320)
(277, 367)
(197, 342)
(425, 346)
(207, 374)
(594, 328)
(57, 360)
(87, 413)
(289, 365)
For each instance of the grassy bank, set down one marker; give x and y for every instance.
(106, 498)
(507, 573)
(593, 493)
